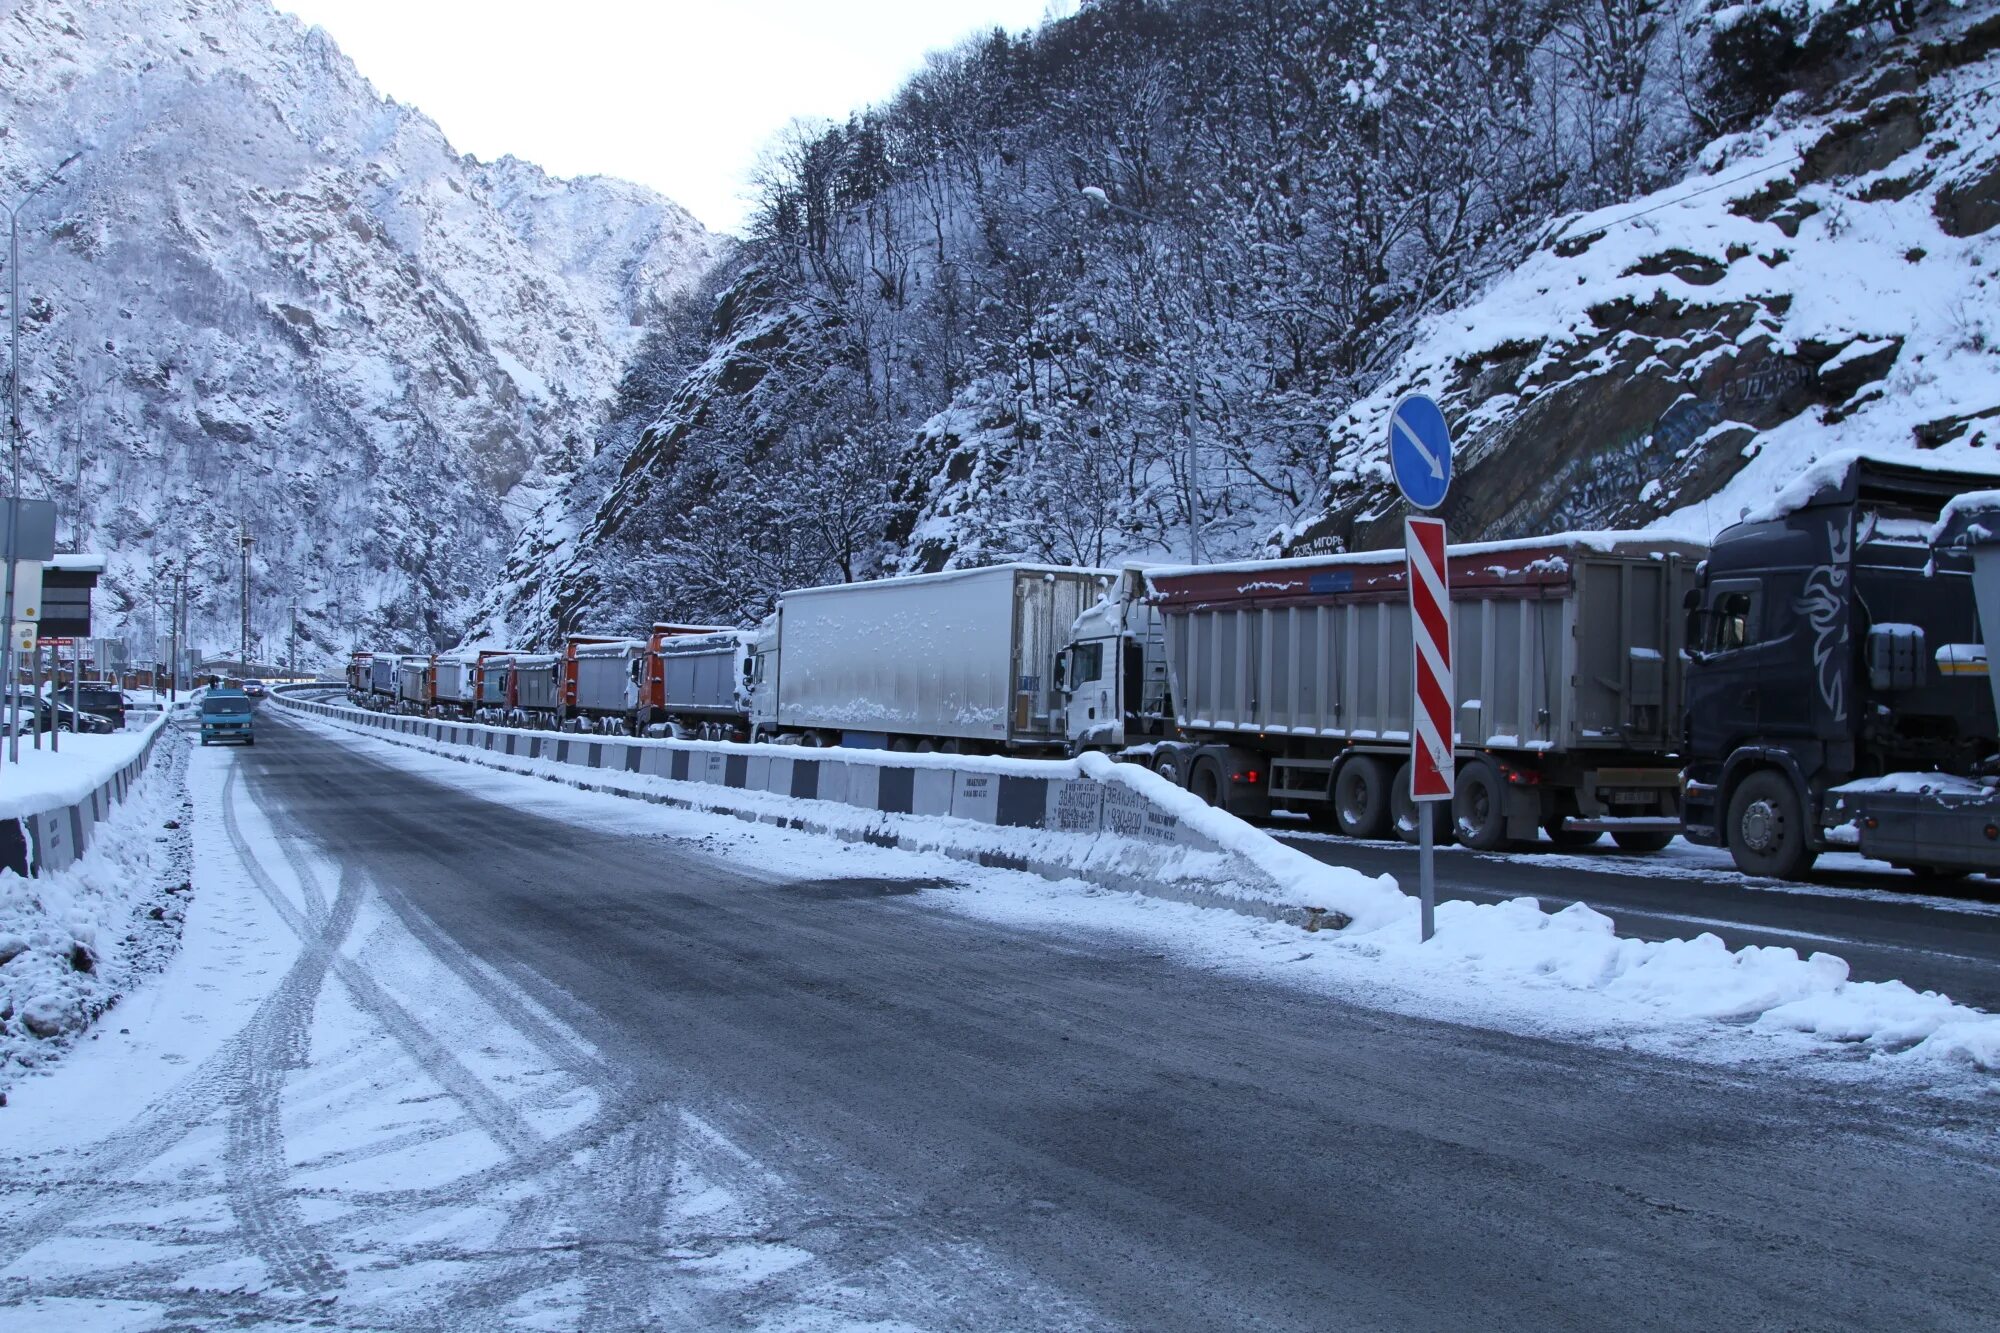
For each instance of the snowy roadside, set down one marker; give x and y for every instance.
(1509, 965)
(325, 1112)
(75, 940)
(47, 778)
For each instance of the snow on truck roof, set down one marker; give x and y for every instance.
(947, 575)
(1607, 543)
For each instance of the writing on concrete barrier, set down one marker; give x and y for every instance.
(1130, 815)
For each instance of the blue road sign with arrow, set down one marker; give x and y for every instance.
(1420, 451)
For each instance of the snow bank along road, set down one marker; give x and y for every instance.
(1874, 917)
(499, 1054)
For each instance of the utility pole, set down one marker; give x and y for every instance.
(177, 617)
(247, 543)
(292, 652)
(7, 670)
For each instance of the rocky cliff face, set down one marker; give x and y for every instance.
(1827, 282)
(268, 298)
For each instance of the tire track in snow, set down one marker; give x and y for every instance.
(276, 1043)
(493, 1114)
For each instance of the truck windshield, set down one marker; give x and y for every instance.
(227, 704)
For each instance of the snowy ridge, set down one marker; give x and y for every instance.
(267, 295)
(1824, 283)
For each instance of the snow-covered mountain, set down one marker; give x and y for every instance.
(268, 296)
(1825, 282)
(1077, 297)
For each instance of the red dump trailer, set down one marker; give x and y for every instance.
(1289, 684)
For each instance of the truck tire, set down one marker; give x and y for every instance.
(1635, 840)
(1570, 840)
(1205, 782)
(1766, 831)
(1479, 807)
(1361, 797)
(1405, 811)
(1171, 764)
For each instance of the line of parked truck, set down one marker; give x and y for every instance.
(1819, 668)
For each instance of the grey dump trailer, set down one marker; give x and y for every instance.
(452, 683)
(604, 676)
(413, 682)
(1289, 684)
(961, 660)
(537, 686)
(699, 684)
(382, 677)
(492, 684)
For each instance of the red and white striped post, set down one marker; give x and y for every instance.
(1420, 460)
(1431, 764)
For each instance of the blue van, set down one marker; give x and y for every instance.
(225, 716)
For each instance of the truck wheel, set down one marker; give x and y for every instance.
(1637, 841)
(1171, 765)
(1206, 783)
(1767, 828)
(1361, 797)
(1569, 839)
(1405, 811)
(1479, 807)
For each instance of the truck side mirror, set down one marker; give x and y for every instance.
(1895, 657)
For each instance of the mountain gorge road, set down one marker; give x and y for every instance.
(760, 1101)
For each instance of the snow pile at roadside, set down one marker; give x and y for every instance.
(1367, 902)
(46, 778)
(72, 942)
(1764, 988)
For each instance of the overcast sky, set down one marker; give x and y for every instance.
(678, 96)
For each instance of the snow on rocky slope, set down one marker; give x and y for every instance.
(1827, 282)
(269, 295)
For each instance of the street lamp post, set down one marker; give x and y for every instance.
(14, 428)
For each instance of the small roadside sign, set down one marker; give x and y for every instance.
(1420, 451)
(1420, 461)
(24, 636)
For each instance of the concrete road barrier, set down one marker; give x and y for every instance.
(1117, 825)
(38, 839)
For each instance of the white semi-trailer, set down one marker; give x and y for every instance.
(960, 661)
(1289, 684)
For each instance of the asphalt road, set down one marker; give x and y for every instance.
(998, 1128)
(1880, 920)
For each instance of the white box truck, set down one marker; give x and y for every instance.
(960, 661)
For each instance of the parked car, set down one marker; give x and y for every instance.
(226, 715)
(39, 714)
(102, 700)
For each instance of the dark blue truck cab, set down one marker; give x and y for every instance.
(1837, 676)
